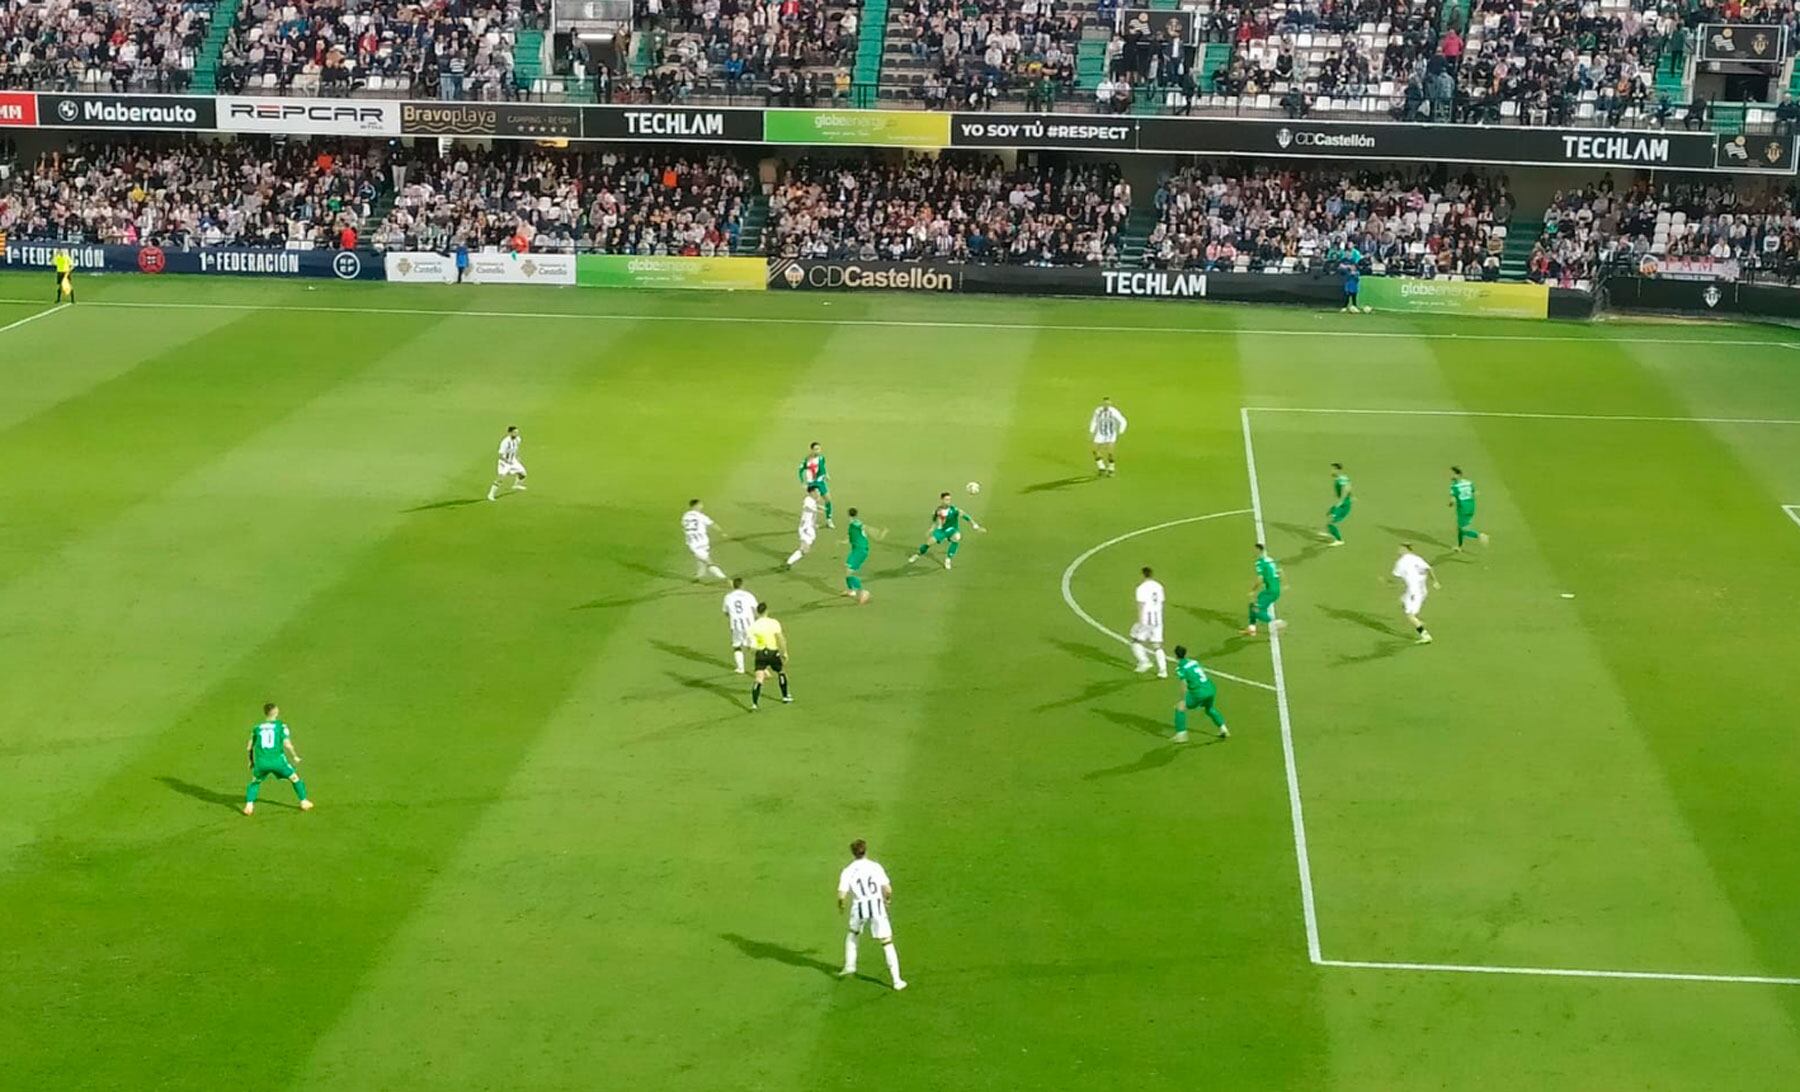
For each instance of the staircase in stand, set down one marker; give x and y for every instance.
(528, 58)
(749, 237)
(865, 77)
(206, 65)
(1521, 236)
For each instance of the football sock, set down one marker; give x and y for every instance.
(300, 789)
(1162, 663)
(1332, 529)
(1213, 714)
(1138, 654)
(850, 952)
(953, 546)
(781, 677)
(737, 658)
(795, 556)
(250, 793)
(925, 549)
(1181, 720)
(1112, 466)
(853, 582)
(756, 695)
(828, 510)
(1099, 463)
(893, 960)
(1252, 622)
(716, 571)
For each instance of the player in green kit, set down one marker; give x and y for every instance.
(946, 526)
(271, 753)
(1197, 692)
(853, 562)
(1264, 593)
(1462, 498)
(812, 473)
(1340, 504)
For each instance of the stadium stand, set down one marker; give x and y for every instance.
(182, 194)
(102, 45)
(950, 208)
(789, 53)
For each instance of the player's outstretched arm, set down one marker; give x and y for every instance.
(293, 755)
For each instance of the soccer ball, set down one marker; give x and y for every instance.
(973, 487)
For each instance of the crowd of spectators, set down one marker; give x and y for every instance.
(450, 49)
(533, 199)
(974, 52)
(118, 45)
(1696, 225)
(958, 208)
(791, 52)
(187, 193)
(1241, 217)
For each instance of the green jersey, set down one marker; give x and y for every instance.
(268, 742)
(1268, 573)
(859, 537)
(812, 470)
(1462, 491)
(1340, 486)
(948, 517)
(1193, 676)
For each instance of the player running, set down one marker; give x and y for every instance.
(740, 611)
(1462, 498)
(1149, 627)
(771, 646)
(271, 754)
(1264, 593)
(509, 465)
(1198, 691)
(946, 526)
(1340, 504)
(809, 526)
(863, 885)
(813, 473)
(1413, 571)
(857, 557)
(1106, 425)
(696, 528)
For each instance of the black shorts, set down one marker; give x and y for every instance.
(767, 659)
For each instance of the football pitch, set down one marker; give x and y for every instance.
(1555, 849)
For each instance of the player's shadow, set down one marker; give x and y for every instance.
(710, 686)
(1379, 652)
(1137, 722)
(234, 801)
(648, 570)
(1059, 483)
(1363, 618)
(693, 655)
(776, 953)
(1228, 619)
(763, 508)
(616, 601)
(1086, 694)
(1315, 545)
(1403, 534)
(1086, 652)
(436, 505)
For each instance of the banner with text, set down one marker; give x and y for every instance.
(178, 112)
(878, 128)
(311, 117)
(723, 125)
(490, 267)
(344, 265)
(419, 267)
(671, 271)
(1456, 297)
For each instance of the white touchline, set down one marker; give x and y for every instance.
(1068, 578)
(1530, 416)
(32, 318)
(1302, 859)
(1308, 907)
(923, 324)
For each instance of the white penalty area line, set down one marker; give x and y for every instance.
(1308, 905)
(1303, 859)
(1561, 972)
(922, 324)
(1068, 578)
(1524, 416)
(33, 317)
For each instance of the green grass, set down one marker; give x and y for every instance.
(552, 850)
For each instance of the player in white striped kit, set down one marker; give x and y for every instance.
(863, 886)
(696, 527)
(1106, 426)
(740, 611)
(809, 526)
(1149, 627)
(509, 464)
(1413, 571)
